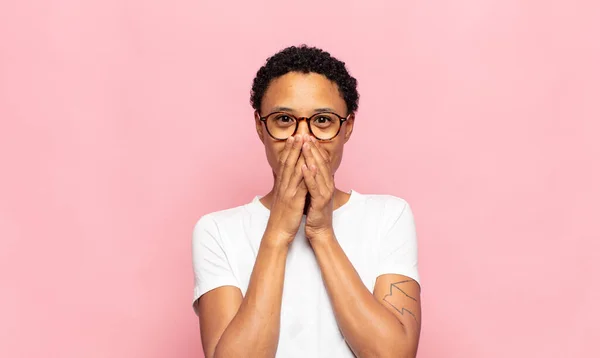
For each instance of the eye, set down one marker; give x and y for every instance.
(282, 120)
(323, 120)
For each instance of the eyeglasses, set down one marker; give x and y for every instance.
(323, 125)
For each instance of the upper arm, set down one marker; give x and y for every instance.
(398, 249)
(217, 296)
(397, 286)
(401, 295)
(216, 309)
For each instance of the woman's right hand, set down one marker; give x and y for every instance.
(289, 194)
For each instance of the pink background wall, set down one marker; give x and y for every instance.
(483, 114)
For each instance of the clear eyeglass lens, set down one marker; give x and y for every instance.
(281, 125)
(324, 125)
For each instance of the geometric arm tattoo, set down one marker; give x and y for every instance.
(397, 290)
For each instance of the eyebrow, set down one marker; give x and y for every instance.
(325, 109)
(282, 109)
(287, 109)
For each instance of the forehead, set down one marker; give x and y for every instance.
(303, 92)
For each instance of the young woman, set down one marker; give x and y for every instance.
(307, 270)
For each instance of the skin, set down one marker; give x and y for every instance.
(382, 323)
(303, 93)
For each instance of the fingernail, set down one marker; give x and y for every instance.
(297, 138)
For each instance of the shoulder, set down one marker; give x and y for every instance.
(385, 204)
(216, 220)
(385, 210)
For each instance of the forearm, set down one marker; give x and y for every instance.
(369, 328)
(254, 331)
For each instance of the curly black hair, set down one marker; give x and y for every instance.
(305, 59)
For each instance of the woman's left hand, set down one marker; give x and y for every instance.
(319, 181)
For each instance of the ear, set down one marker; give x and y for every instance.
(349, 127)
(259, 126)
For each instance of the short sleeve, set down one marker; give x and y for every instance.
(209, 259)
(398, 245)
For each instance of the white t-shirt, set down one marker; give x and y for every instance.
(376, 232)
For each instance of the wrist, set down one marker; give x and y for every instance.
(276, 239)
(323, 235)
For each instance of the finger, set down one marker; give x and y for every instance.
(320, 148)
(288, 146)
(328, 175)
(284, 154)
(311, 163)
(321, 180)
(292, 159)
(324, 171)
(308, 155)
(297, 175)
(310, 180)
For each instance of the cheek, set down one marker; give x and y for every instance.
(335, 156)
(274, 151)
